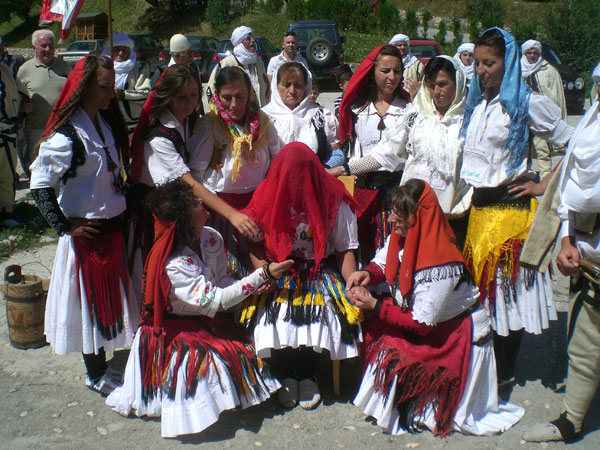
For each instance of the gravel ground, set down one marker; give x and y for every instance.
(46, 405)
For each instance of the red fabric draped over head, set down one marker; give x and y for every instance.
(297, 182)
(428, 243)
(156, 283)
(357, 85)
(112, 116)
(141, 130)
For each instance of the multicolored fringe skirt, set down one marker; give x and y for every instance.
(306, 309)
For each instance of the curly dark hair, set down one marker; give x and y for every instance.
(112, 115)
(404, 200)
(174, 201)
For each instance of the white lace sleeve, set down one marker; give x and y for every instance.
(54, 159)
(344, 235)
(164, 163)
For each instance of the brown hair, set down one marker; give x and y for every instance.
(175, 79)
(492, 38)
(404, 200)
(293, 66)
(370, 94)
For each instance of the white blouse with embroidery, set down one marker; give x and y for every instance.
(91, 193)
(200, 284)
(435, 301)
(219, 180)
(162, 162)
(485, 161)
(307, 133)
(368, 133)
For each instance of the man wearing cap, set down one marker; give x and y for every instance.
(181, 53)
(289, 54)
(12, 61)
(245, 57)
(544, 79)
(43, 77)
(413, 68)
(132, 77)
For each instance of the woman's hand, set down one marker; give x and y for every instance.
(362, 298)
(336, 171)
(358, 278)
(84, 227)
(277, 269)
(521, 188)
(567, 259)
(268, 286)
(412, 87)
(244, 224)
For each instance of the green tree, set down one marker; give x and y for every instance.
(457, 32)
(295, 10)
(411, 23)
(273, 6)
(426, 17)
(484, 14)
(18, 8)
(388, 17)
(440, 36)
(217, 15)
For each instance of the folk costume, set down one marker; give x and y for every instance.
(306, 215)
(470, 69)
(360, 129)
(413, 68)
(428, 358)
(188, 362)
(495, 155)
(233, 161)
(544, 79)
(91, 305)
(308, 123)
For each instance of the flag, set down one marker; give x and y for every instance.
(63, 10)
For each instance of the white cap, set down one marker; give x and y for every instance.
(178, 43)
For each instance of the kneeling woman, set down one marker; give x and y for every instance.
(188, 363)
(428, 355)
(307, 215)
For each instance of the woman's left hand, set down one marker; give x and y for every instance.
(522, 188)
(336, 171)
(362, 298)
(268, 286)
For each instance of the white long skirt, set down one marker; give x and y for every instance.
(68, 324)
(533, 310)
(216, 392)
(325, 334)
(479, 411)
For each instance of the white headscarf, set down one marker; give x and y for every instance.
(409, 59)
(528, 68)
(470, 69)
(295, 119)
(122, 69)
(244, 56)
(579, 179)
(596, 74)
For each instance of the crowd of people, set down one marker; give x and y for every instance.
(230, 249)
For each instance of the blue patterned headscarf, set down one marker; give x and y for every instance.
(514, 98)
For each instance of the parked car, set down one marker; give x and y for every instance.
(425, 49)
(80, 49)
(573, 83)
(146, 48)
(203, 49)
(320, 43)
(264, 49)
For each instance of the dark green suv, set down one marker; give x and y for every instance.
(320, 43)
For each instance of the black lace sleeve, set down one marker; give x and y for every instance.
(45, 199)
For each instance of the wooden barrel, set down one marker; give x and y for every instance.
(25, 308)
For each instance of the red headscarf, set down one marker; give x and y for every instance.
(357, 84)
(156, 283)
(428, 243)
(297, 181)
(113, 115)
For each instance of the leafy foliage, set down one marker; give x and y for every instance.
(273, 6)
(457, 32)
(440, 36)
(19, 8)
(217, 15)
(411, 23)
(426, 17)
(484, 14)
(295, 10)
(388, 17)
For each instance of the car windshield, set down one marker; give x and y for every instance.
(225, 47)
(550, 56)
(195, 42)
(81, 46)
(424, 51)
(305, 35)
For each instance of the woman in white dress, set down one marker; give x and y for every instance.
(189, 362)
(297, 119)
(91, 306)
(374, 102)
(428, 357)
(306, 215)
(500, 111)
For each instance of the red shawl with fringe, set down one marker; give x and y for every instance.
(297, 182)
(432, 369)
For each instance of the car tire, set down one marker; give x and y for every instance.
(319, 52)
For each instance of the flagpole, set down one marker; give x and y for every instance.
(110, 33)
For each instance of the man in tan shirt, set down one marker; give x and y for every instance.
(43, 77)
